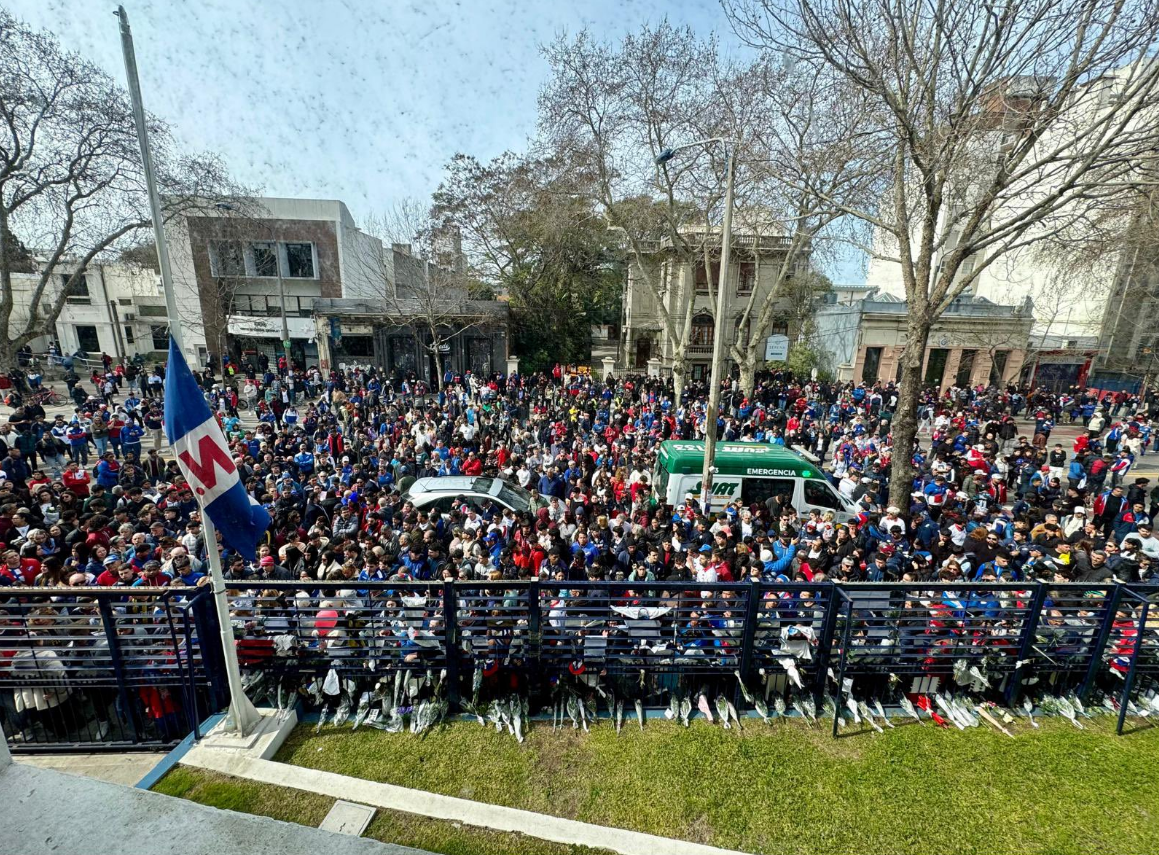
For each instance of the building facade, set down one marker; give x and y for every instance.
(395, 336)
(754, 265)
(862, 337)
(1113, 302)
(113, 308)
(236, 273)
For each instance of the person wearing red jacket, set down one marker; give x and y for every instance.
(473, 465)
(116, 574)
(996, 489)
(76, 479)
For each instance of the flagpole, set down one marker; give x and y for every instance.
(243, 716)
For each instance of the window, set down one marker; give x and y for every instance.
(79, 292)
(356, 346)
(746, 278)
(818, 494)
(300, 260)
(270, 306)
(760, 490)
(265, 255)
(87, 339)
(702, 333)
(702, 277)
(152, 311)
(125, 301)
(226, 258)
(936, 366)
(130, 335)
(160, 337)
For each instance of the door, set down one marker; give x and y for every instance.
(936, 366)
(760, 490)
(871, 365)
(479, 355)
(965, 368)
(643, 352)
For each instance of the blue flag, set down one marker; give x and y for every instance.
(203, 456)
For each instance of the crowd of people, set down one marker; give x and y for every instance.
(331, 455)
(89, 499)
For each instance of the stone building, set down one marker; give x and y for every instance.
(754, 263)
(862, 335)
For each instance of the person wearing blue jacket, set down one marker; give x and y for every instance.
(108, 471)
(131, 435)
(1075, 472)
(784, 550)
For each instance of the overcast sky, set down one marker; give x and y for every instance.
(358, 100)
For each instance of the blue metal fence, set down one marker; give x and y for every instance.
(1069, 635)
(103, 667)
(106, 669)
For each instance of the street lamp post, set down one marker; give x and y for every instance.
(713, 412)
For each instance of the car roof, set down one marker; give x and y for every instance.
(455, 484)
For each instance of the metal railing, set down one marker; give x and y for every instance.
(106, 668)
(121, 668)
(1071, 636)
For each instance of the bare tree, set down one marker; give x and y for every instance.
(609, 111)
(71, 183)
(425, 282)
(805, 168)
(998, 125)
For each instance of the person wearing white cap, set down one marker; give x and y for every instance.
(1075, 521)
(892, 518)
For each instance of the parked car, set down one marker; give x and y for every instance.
(447, 491)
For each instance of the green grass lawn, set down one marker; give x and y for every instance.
(404, 829)
(787, 788)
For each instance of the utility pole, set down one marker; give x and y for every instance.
(243, 717)
(282, 297)
(713, 413)
(717, 343)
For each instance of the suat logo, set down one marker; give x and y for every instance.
(719, 488)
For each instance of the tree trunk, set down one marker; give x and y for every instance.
(679, 372)
(7, 355)
(748, 370)
(905, 417)
(438, 357)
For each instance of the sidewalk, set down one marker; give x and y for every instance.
(45, 811)
(125, 769)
